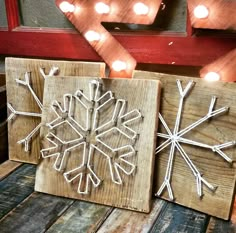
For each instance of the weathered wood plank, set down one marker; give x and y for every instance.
(122, 221)
(220, 226)
(36, 214)
(81, 217)
(2, 79)
(111, 152)
(16, 187)
(21, 98)
(3, 142)
(216, 131)
(3, 98)
(174, 218)
(217, 225)
(8, 167)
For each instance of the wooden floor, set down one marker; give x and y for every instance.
(25, 211)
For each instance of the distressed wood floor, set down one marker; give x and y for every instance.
(25, 211)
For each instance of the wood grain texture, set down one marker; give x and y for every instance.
(122, 221)
(219, 226)
(221, 14)
(218, 130)
(35, 214)
(174, 218)
(53, 214)
(2, 79)
(3, 98)
(135, 193)
(8, 167)
(81, 217)
(16, 187)
(224, 66)
(3, 142)
(21, 99)
(120, 11)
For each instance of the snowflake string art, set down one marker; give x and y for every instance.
(90, 136)
(175, 138)
(28, 139)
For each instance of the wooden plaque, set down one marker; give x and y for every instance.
(21, 99)
(215, 131)
(99, 138)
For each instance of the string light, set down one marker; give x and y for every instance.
(141, 9)
(67, 7)
(212, 77)
(92, 36)
(201, 12)
(102, 8)
(119, 65)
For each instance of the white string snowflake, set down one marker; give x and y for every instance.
(28, 139)
(90, 136)
(176, 138)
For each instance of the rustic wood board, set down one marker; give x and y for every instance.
(16, 187)
(21, 99)
(3, 142)
(218, 130)
(8, 167)
(35, 214)
(135, 193)
(164, 217)
(2, 79)
(176, 218)
(219, 226)
(3, 97)
(126, 221)
(81, 217)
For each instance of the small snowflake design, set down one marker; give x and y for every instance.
(13, 112)
(90, 136)
(175, 138)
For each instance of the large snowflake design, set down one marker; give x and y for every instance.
(176, 138)
(26, 83)
(90, 136)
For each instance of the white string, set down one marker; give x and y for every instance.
(174, 139)
(28, 139)
(122, 153)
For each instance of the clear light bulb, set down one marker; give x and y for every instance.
(92, 36)
(119, 65)
(212, 77)
(201, 12)
(67, 7)
(102, 8)
(141, 9)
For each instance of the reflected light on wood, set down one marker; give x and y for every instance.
(224, 66)
(221, 14)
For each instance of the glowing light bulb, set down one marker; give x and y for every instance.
(119, 65)
(212, 77)
(201, 12)
(67, 7)
(102, 8)
(141, 9)
(92, 36)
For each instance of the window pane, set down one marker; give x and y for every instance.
(3, 17)
(44, 13)
(172, 17)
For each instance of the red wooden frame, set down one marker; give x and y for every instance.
(156, 48)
